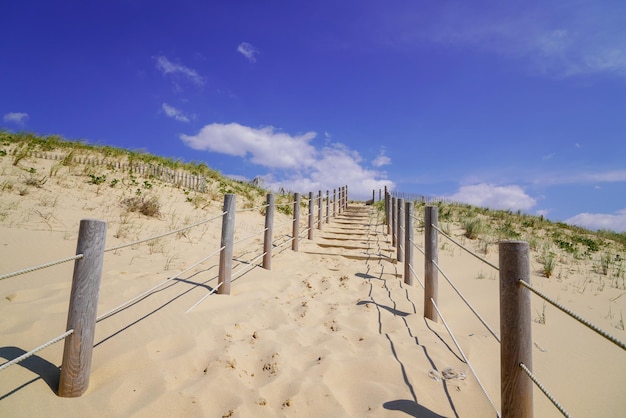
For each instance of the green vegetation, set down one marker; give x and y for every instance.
(554, 244)
(102, 161)
(473, 227)
(548, 262)
(24, 143)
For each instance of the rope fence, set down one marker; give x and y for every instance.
(484, 260)
(41, 266)
(36, 350)
(79, 337)
(177, 231)
(577, 317)
(515, 289)
(456, 343)
(469, 305)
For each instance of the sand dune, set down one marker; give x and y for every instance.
(331, 330)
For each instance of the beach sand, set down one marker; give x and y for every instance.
(330, 330)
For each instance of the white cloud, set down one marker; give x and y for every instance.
(382, 159)
(298, 165)
(336, 166)
(266, 146)
(248, 51)
(172, 112)
(168, 67)
(612, 221)
(495, 197)
(15, 117)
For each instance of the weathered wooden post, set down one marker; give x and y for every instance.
(81, 316)
(400, 237)
(311, 214)
(340, 200)
(387, 210)
(319, 209)
(408, 244)
(343, 199)
(227, 241)
(334, 203)
(269, 232)
(516, 388)
(346, 196)
(373, 196)
(327, 206)
(394, 223)
(431, 274)
(296, 222)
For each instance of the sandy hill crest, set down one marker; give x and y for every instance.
(330, 330)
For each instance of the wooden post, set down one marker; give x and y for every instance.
(400, 237)
(327, 206)
(334, 203)
(269, 232)
(431, 274)
(341, 199)
(373, 196)
(319, 209)
(346, 196)
(408, 244)
(311, 214)
(228, 234)
(296, 222)
(81, 316)
(516, 388)
(394, 212)
(388, 210)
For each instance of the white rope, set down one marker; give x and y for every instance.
(469, 305)
(544, 390)
(418, 248)
(204, 297)
(415, 274)
(247, 265)
(41, 266)
(251, 209)
(285, 204)
(580, 319)
(250, 236)
(164, 234)
(147, 292)
(464, 357)
(416, 218)
(219, 284)
(466, 249)
(32, 352)
(285, 242)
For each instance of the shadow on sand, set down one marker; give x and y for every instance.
(39, 366)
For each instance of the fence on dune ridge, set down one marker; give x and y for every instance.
(88, 262)
(180, 178)
(515, 340)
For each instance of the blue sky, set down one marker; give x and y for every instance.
(516, 104)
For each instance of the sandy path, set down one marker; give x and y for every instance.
(330, 331)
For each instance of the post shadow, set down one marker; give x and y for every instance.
(45, 370)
